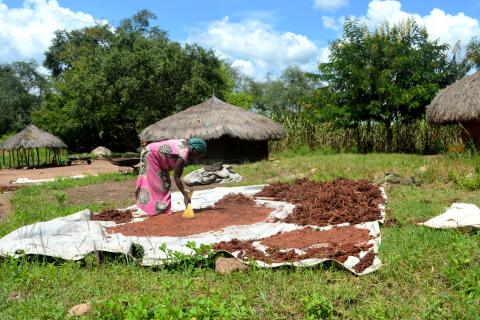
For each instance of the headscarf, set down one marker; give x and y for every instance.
(198, 145)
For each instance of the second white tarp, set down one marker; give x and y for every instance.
(459, 215)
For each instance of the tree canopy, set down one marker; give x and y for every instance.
(22, 88)
(112, 82)
(387, 75)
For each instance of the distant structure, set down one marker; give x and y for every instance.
(459, 103)
(233, 134)
(20, 148)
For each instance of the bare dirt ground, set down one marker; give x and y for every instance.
(121, 193)
(5, 205)
(118, 192)
(97, 166)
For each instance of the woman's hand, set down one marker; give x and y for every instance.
(178, 181)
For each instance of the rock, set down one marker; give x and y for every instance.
(228, 265)
(394, 178)
(98, 151)
(79, 310)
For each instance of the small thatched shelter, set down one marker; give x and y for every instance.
(21, 146)
(232, 133)
(459, 103)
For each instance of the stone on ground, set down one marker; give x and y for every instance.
(228, 265)
(98, 151)
(80, 310)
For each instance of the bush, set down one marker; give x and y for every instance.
(214, 306)
(317, 307)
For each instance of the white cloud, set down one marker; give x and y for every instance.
(256, 47)
(440, 25)
(325, 55)
(329, 5)
(244, 66)
(333, 23)
(26, 32)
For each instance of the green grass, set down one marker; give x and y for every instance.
(427, 274)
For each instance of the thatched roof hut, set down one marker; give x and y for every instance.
(232, 133)
(32, 137)
(459, 103)
(23, 143)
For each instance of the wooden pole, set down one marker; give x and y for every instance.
(38, 158)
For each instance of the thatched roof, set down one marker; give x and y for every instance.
(213, 119)
(459, 102)
(32, 137)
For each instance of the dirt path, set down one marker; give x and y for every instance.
(121, 193)
(97, 166)
(118, 192)
(5, 205)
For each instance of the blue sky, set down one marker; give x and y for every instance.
(257, 37)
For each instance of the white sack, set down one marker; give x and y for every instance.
(203, 177)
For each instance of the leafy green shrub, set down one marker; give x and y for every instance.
(201, 256)
(317, 307)
(60, 196)
(214, 306)
(471, 182)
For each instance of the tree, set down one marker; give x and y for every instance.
(112, 83)
(473, 52)
(387, 75)
(236, 87)
(22, 88)
(290, 93)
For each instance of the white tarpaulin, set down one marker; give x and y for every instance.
(40, 181)
(459, 215)
(74, 236)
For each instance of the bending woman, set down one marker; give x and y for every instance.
(156, 161)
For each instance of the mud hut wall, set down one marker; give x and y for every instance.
(215, 151)
(238, 151)
(234, 150)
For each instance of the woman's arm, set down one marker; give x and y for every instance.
(178, 181)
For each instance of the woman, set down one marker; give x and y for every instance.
(156, 161)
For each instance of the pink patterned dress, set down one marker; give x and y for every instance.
(153, 183)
